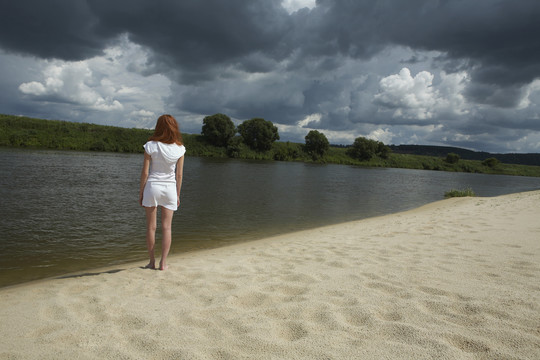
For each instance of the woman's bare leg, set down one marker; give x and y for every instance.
(151, 225)
(166, 224)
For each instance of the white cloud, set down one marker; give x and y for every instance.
(531, 89)
(33, 88)
(418, 98)
(451, 99)
(411, 97)
(71, 82)
(294, 5)
(383, 135)
(113, 83)
(143, 118)
(143, 113)
(103, 105)
(310, 119)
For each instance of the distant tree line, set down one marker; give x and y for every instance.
(259, 134)
(441, 151)
(253, 139)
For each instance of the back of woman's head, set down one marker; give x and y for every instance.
(167, 131)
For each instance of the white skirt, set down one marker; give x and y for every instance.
(160, 194)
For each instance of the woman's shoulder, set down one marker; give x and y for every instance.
(172, 145)
(176, 146)
(150, 147)
(181, 150)
(171, 152)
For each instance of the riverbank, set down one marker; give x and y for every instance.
(23, 132)
(453, 279)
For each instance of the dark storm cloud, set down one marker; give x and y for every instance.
(195, 36)
(192, 35)
(505, 97)
(50, 29)
(500, 38)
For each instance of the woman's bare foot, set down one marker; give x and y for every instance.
(163, 267)
(150, 265)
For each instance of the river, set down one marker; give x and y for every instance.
(63, 212)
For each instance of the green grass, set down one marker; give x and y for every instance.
(459, 193)
(24, 132)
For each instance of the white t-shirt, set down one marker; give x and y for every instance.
(164, 158)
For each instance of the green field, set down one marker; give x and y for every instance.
(23, 132)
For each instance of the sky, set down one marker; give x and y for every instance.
(429, 72)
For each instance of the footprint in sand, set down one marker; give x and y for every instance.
(468, 345)
(292, 331)
(433, 291)
(357, 317)
(251, 299)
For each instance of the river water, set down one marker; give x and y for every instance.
(64, 212)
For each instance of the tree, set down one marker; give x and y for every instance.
(491, 162)
(218, 129)
(287, 151)
(316, 143)
(365, 149)
(452, 158)
(258, 134)
(234, 147)
(383, 151)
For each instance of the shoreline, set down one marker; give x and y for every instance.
(207, 247)
(134, 264)
(457, 278)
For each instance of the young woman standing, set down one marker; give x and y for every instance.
(161, 181)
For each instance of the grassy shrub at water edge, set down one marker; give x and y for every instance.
(459, 193)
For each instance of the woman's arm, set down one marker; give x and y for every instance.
(144, 175)
(179, 175)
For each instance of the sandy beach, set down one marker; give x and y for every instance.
(455, 279)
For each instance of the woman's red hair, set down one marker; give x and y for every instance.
(167, 131)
